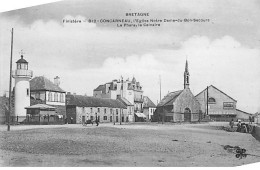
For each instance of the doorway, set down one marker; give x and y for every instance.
(187, 115)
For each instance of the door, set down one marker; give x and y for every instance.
(83, 119)
(187, 115)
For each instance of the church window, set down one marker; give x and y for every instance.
(212, 100)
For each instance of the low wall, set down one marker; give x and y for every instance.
(256, 132)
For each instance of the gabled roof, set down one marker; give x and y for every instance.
(148, 102)
(87, 101)
(169, 98)
(125, 101)
(217, 90)
(42, 83)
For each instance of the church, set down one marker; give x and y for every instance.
(179, 106)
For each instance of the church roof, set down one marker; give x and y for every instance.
(87, 101)
(148, 102)
(42, 83)
(21, 60)
(217, 90)
(169, 98)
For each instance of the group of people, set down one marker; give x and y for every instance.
(242, 127)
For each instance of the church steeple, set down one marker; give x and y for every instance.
(186, 76)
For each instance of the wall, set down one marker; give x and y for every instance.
(86, 111)
(187, 100)
(217, 107)
(22, 95)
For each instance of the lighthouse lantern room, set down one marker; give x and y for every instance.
(22, 78)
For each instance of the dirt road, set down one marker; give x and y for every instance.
(126, 145)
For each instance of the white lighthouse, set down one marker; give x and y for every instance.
(22, 77)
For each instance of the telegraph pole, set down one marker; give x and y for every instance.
(10, 82)
(160, 87)
(207, 100)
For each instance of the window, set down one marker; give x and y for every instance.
(61, 98)
(98, 110)
(111, 111)
(212, 100)
(50, 96)
(117, 111)
(105, 118)
(56, 97)
(27, 92)
(105, 110)
(111, 119)
(91, 110)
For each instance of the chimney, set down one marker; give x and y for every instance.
(57, 81)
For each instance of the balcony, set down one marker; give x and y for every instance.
(140, 100)
(22, 73)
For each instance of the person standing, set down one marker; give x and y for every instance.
(231, 123)
(97, 121)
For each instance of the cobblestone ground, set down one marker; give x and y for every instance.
(124, 145)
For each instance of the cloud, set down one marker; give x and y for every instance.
(87, 56)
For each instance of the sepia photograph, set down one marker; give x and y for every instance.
(130, 83)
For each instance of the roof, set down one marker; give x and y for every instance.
(125, 101)
(218, 90)
(148, 102)
(169, 98)
(21, 60)
(244, 112)
(100, 88)
(41, 107)
(87, 101)
(42, 83)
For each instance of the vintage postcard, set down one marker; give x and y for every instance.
(130, 83)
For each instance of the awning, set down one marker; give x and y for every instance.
(140, 115)
(41, 107)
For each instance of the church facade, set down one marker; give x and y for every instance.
(179, 106)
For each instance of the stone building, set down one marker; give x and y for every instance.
(80, 108)
(130, 91)
(221, 107)
(179, 106)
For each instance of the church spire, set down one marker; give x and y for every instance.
(186, 76)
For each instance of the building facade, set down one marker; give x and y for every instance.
(219, 106)
(128, 90)
(179, 106)
(148, 108)
(81, 108)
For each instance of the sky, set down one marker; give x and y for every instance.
(224, 52)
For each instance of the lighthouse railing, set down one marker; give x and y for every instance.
(27, 73)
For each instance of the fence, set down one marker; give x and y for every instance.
(36, 120)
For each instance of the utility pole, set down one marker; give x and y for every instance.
(160, 87)
(121, 116)
(10, 83)
(207, 100)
